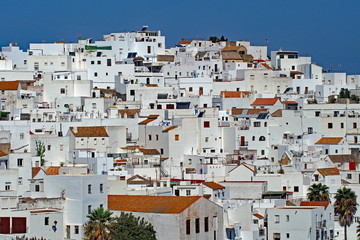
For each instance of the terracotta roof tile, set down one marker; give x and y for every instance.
(169, 128)
(9, 85)
(52, 171)
(277, 113)
(213, 185)
(266, 66)
(254, 111)
(236, 111)
(234, 94)
(128, 112)
(137, 179)
(149, 151)
(2, 154)
(231, 48)
(342, 158)
(258, 216)
(185, 42)
(289, 102)
(89, 132)
(207, 196)
(150, 204)
(35, 171)
(146, 121)
(329, 140)
(325, 204)
(328, 171)
(264, 101)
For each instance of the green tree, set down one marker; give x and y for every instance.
(129, 227)
(344, 93)
(214, 39)
(97, 228)
(345, 207)
(40, 151)
(318, 192)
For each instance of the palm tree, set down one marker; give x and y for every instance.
(345, 207)
(318, 192)
(97, 228)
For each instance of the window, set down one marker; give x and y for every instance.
(197, 225)
(310, 130)
(76, 230)
(61, 148)
(330, 125)
(287, 235)
(7, 187)
(20, 162)
(157, 137)
(89, 189)
(287, 218)
(21, 136)
(188, 192)
(317, 113)
(46, 221)
(149, 136)
(98, 62)
(277, 218)
(206, 124)
(149, 49)
(95, 74)
(132, 92)
(62, 90)
(101, 188)
(188, 226)
(262, 152)
(190, 89)
(103, 141)
(354, 125)
(89, 209)
(37, 188)
(316, 177)
(101, 205)
(95, 141)
(161, 151)
(177, 137)
(296, 188)
(92, 62)
(256, 124)
(20, 180)
(261, 138)
(206, 139)
(206, 224)
(342, 125)
(48, 147)
(109, 62)
(349, 176)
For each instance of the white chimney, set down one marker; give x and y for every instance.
(75, 129)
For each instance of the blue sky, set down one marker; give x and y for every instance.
(327, 30)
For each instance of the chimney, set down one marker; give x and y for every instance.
(75, 129)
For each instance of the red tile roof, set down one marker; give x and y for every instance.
(9, 85)
(2, 154)
(35, 171)
(258, 215)
(169, 128)
(289, 102)
(266, 66)
(149, 151)
(150, 204)
(146, 121)
(325, 204)
(264, 101)
(137, 179)
(89, 132)
(231, 48)
(213, 185)
(185, 42)
(234, 94)
(52, 171)
(329, 140)
(328, 171)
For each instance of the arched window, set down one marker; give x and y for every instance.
(262, 138)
